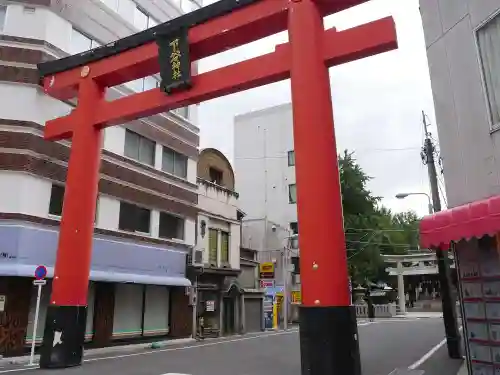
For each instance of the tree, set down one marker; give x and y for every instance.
(360, 218)
(371, 229)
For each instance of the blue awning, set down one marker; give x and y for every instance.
(23, 247)
(117, 277)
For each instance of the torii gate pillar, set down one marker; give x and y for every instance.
(328, 329)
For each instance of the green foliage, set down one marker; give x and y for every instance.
(371, 229)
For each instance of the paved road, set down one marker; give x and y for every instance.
(385, 346)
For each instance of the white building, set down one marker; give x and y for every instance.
(147, 205)
(220, 298)
(265, 170)
(463, 49)
(228, 295)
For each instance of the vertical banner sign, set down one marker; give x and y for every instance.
(175, 63)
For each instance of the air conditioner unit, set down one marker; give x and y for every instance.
(196, 257)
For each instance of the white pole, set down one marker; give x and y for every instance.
(401, 288)
(285, 289)
(35, 323)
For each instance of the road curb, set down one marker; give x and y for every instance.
(24, 360)
(163, 344)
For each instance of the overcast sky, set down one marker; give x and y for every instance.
(377, 103)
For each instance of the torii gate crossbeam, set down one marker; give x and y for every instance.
(328, 322)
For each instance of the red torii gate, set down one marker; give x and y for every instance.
(328, 323)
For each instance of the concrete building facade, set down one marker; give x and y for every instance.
(148, 193)
(463, 48)
(265, 166)
(219, 295)
(265, 170)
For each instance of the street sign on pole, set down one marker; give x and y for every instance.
(39, 282)
(40, 272)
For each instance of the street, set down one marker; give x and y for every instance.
(386, 345)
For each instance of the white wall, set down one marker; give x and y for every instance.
(41, 107)
(28, 103)
(234, 246)
(234, 239)
(190, 232)
(114, 139)
(108, 212)
(262, 142)
(222, 204)
(217, 201)
(22, 21)
(23, 193)
(192, 170)
(471, 156)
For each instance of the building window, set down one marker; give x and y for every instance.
(212, 246)
(294, 227)
(150, 83)
(215, 176)
(81, 42)
(171, 226)
(56, 200)
(291, 158)
(174, 163)
(112, 4)
(142, 20)
(224, 247)
(143, 84)
(139, 148)
(489, 50)
(188, 6)
(134, 218)
(3, 14)
(182, 111)
(292, 193)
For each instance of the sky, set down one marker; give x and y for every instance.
(377, 102)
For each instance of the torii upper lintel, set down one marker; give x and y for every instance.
(213, 29)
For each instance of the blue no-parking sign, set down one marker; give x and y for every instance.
(40, 272)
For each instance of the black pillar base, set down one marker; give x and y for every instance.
(63, 336)
(448, 303)
(329, 341)
(454, 344)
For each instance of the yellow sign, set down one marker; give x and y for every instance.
(267, 270)
(267, 267)
(279, 301)
(296, 297)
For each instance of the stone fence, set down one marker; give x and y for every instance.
(381, 311)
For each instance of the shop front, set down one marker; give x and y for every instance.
(137, 290)
(220, 303)
(472, 232)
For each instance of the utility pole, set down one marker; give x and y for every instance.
(447, 297)
(285, 286)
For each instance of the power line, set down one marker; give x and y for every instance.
(357, 152)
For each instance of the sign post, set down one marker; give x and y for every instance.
(39, 282)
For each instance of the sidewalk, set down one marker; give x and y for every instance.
(24, 360)
(463, 369)
(423, 314)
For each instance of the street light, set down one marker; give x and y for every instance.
(405, 195)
